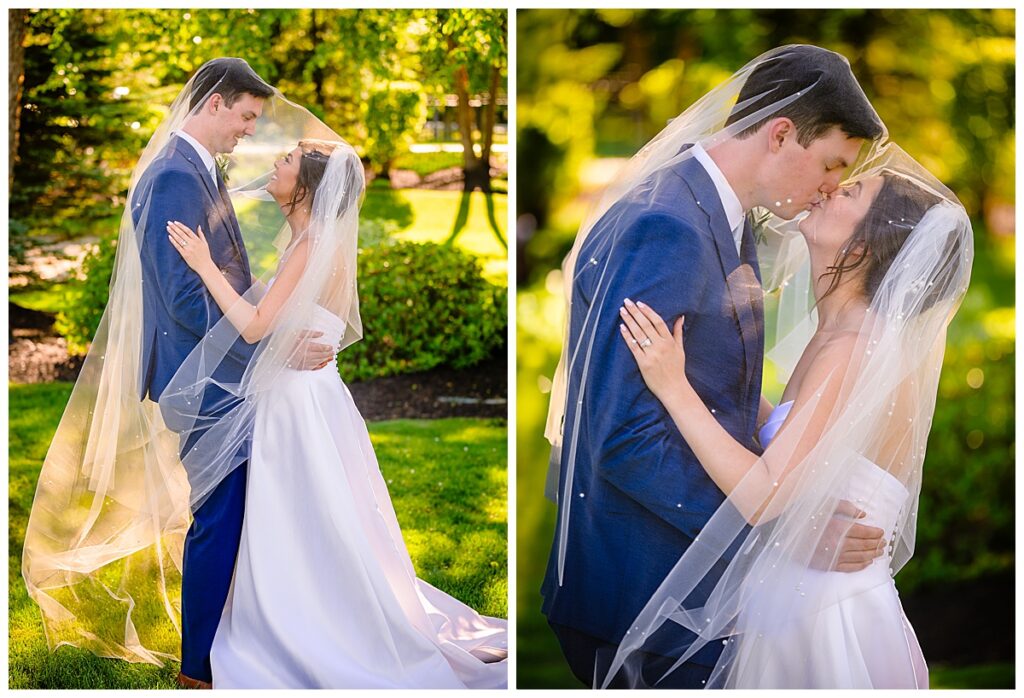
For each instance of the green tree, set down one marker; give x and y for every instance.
(96, 82)
(77, 120)
(16, 28)
(603, 82)
(466, 53)
(394, 112)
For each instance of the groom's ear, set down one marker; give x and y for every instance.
(215, 102)
(779, 131)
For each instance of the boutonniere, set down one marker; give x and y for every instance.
(222, 162)
(759, 218)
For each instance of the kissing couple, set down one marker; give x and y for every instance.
(705, 537)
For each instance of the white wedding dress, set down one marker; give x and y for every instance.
(324, 594)
(847, 629)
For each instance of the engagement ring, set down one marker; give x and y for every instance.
(646, 342)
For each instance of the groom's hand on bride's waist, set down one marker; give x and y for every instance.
(311, 355)
(848, 546)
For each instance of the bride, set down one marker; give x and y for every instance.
(321, 540)
(888, 259)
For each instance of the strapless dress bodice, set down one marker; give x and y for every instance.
(332, 326)
(771, 426)
(871, 488)
(323, 320)
(811, 628)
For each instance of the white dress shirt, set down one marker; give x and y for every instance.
(733, 209)
(205, 155)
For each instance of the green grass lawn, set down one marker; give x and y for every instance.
(447, 479)
(427, 163)
(476, 222)
(424, 164)
(975, 677)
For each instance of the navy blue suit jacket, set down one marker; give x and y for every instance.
(177, 309)
(640, 496)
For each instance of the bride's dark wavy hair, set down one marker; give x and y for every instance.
(312, 166)
(879, 236)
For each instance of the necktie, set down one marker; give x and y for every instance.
(738, 237)
(229, 213)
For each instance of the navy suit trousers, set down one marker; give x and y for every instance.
(585, 652)
(211, 547)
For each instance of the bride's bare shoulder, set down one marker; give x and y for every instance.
(837, 355)
(823, 358)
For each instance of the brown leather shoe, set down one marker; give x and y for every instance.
(189, 682)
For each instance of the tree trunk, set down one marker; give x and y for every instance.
(477, 170)
(478, 176)
(318, 71)
(275, 30)
(15, 79)
(489, 115)
(464, 114)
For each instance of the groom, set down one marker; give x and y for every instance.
(183, 183)
(643, 496)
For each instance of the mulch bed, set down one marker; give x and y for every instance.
(478, 391)
(37, 355)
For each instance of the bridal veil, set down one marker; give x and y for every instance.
(760, 565)
(103, 547)
(734, 107)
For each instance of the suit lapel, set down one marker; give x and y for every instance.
(757, 290)
(749, 248)
(218, 194)
(188, 152)
(742, 279)
(232, 221)
(706, 197)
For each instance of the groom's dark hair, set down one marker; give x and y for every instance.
(836, 99)
(230, 78)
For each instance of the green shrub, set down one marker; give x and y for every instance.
(423, 305)
(86, 297)
(376, 231)
(965, 521)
